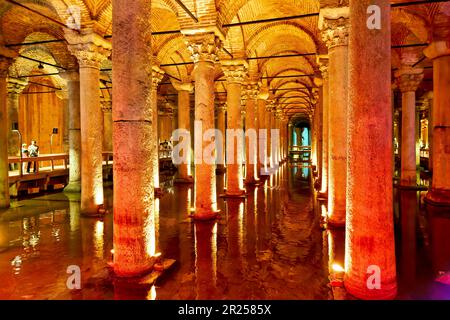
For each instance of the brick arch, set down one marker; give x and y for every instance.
(229, 9)
(174, 50)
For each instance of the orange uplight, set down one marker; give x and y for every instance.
(337, 268)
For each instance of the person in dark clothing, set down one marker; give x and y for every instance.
(33, 152)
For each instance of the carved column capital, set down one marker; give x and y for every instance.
(322, 61)
(252, 90)
(90, 49)
(334, 24)
(106, 105)
(235, 70)
(204, 47)
(16, 86)
(408, 78)
(157, 76)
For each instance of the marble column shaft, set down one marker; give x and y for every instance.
(335, 35)
(133, 139)
(370, 244)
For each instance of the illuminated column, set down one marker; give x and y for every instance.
(221, 126)
(184, 123)
(73, 91)
(63, 95)
(4, 167)
(91, 50)
(106, 105)
(204, 49)
(251, 134)
(370, 246)
(335, 35)
(157, 77)
(134, 139)
(262, 138)
(408, 80)
(235, 72)
(15, 88)
(268, 127)
(323, 62)
(319, 128)
(439, 193)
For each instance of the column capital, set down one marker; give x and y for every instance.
(252, 90)
(204, 46)
(6, 59)
(408, 78)
(62, 94)
(157, 76)
(106, 105)
(183, 86)
(322, 61)
(16, 86)
(89, 48)
(334, 24)
(235, 70)
(437, 49)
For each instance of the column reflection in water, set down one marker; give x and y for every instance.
(439, 229)
(408, 243)
(206, 260)
(251, 225)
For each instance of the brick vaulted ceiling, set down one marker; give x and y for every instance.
(410, 25)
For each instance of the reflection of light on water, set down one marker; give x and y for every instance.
(324, 211)
(189, 200)
(214, 253)
(16, 263)
(149, 235)
(337, 268)
(152, 293)
(99, 239)
(241, 227)
(157, 208)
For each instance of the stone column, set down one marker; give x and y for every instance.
(4, 167)
(184, 123)
(204, 49)
(90, 50)
(323, 62)
(268, 127)
(221, 126)
(15, 88)
(134, 139)
(157, 77)
(66, 119)
(73, 92)
(335, 35)
(408, 80)
(106, 106)
(251, 134)
(262, 138)
(439, 194)
(235, 72)
(370, 245)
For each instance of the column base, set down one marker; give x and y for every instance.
(322, 196)
(235, 195)
(126, 274)
(188, 180)
(359, 290)
(99, 213)
(438, 197)
(205, 215)
(335, 224)
(73, 187)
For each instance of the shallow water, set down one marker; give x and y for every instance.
(268, 246)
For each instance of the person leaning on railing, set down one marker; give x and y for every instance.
(25, 154)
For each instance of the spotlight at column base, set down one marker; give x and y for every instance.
(98, 212)
(73, 187)
(357, 287)
(438, 197)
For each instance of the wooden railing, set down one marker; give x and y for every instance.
(50, 158)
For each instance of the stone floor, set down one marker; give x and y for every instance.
(269, 246)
